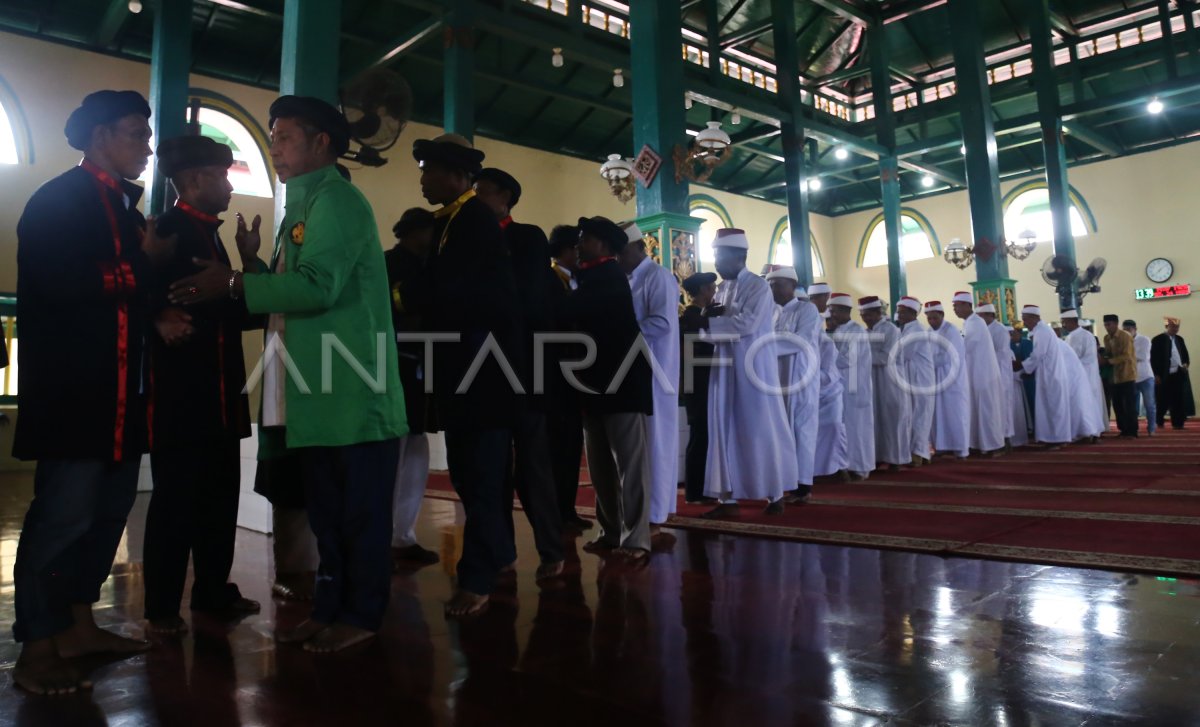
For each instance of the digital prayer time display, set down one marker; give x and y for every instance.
(1166, 291)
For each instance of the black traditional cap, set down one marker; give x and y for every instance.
(606, 230)
(102, 107)
(412, 219)
(503, 180)
(563, 237)
(320, 114)
(1128, 323)
(189, 152)
(1111, 318)
(449, 149)
(693, 283)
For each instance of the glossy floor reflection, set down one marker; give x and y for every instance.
(720, 630)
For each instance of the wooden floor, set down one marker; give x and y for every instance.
(720, 629)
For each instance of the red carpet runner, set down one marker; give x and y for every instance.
(1129, 505)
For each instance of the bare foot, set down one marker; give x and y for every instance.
(464, 604)
(85, 639)
(547, 571)
(170, 626)
(40, 670)
(307, 629)
(337, 637)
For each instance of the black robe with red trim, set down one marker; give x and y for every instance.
(82, 293)
(196, 387)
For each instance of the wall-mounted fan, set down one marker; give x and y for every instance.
(377, 104)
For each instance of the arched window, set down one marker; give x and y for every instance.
(1027, 207)
(248, 175)
(917, 240)
(781, 248)
(8, 138)
(715, 217)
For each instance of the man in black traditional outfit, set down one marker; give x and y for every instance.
(469, 263)
(198, 409)
(84, 273)
(531, 474)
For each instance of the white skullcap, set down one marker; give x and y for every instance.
(1069, 314)
(731, 237)
(784, 273)
(1031, 310)
(911, 303)
(842, 299)
(962, 296)
(632, 232)
(934, 306)
(819, 289)
(986, 308)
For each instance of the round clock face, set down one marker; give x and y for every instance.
(1159, 269)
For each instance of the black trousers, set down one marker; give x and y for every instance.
(349, 495)
(696, 456)
(68, 540)
(478, 460)
(531, 477)
(1170, 397)
(193, 510)
(564, 432)
(1125, 405)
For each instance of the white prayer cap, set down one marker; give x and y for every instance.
(819, 289)
(986, 308)
(911, 303)
(784, 273)
(1031, 310)
(934, 306)
(826, 313)
(962, 296)
(1069, 314)
(731, 237)
(632, 232)
(870, 301)
(842, 299)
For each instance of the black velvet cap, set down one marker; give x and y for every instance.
(606, 230)
(412, 219)
(321, 115)
(503, 180)
(102, 107)
(563, 237)
(189, 152)
(1110, 318)
(451, 150)
(693, 283)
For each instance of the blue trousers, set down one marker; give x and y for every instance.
(1144, 397)
(349, 497)
(68, 541)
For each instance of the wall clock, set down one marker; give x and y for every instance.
(1159, 269)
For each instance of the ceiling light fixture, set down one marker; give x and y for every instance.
(135, 6)
(926, 181)
(556, 60)
(841, 154)
(618, 78)
(1155, 106)
(813, 184)
(707, 151)
(736, 119)
(618, 172)
(963, 150)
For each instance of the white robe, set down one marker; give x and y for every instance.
(1084, 346)
(952, 405)
(890, 396)
(1054, 390)
(656, 304)
(854, 363)
(917, 354)
(800, 374)
(990, 413)
(1021, 416)
(831, 428)
(751, 454)
(1004, 358)
(1085, 422)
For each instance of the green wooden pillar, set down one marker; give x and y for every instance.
(795, 163)
(1046, 84)
(889, 166)
(170, 66)
(656, 62)
(311, 38)
(983, 175)
(458, 100)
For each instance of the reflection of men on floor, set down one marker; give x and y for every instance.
(1144, 397)
(1169, 359)
(84, 272)
(530, 474)
(406, 278)
(199, 411)
(700, 287)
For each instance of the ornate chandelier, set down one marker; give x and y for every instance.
(618, 172)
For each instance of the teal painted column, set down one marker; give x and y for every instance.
(170, 66)
(311, 39)
(992, 283)
(889, 166)
(794, 138)
(656, 70)
(1045, 82)
(458, 99)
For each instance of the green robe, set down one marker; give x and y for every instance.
(334, 295)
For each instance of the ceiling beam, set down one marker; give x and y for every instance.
(936, 172)
(688, 5)
(278, 17)
(111, 23)
(851, 10)
(1061, 23)
(753, 135)
(748, 33)
(1094, 138)
(398, 47)
(895, 11)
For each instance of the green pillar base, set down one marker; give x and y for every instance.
(1000, 292)
(680, 255)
